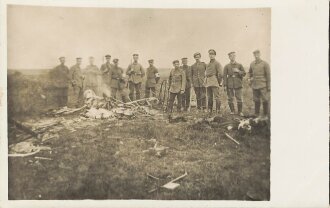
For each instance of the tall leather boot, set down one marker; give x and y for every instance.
(232, 108)
(217, 106)
(265, 108)
(257, 108)
(239, 109)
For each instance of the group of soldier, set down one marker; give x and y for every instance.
(206, 80)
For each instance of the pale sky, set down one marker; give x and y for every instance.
(37, 36)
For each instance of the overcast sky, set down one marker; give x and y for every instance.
(37, 36)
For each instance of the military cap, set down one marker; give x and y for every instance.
(184, 58)
(256, 51)
(212, 51)
(61, 57)
(135, 54)
(78, 58)
(195, 54)
(231, 53)
(107, 56)
(150, 60)
(115, 60)
(176, 61)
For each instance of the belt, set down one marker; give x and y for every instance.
(231, 76)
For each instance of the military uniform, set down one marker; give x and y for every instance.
(135, 72)
(92, 77)
(59, 77)
(151, 81)
(233, 74)
(186, 94)
(213, 80)
(177, 83)
(77, 85)
(117, 83)
(197, 79)
(259, 73)
(105, 69)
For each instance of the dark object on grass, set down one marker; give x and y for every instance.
(177, 119)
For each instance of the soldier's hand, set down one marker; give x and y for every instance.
(181, 91)
(225, 88)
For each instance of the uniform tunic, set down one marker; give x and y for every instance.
(177, 80)
(213, 74)
(151, 77)
(92, 74)
(115, 75)
(59, 76)
(77, 81)
(76, 76)
(187, 70)
(198, 74)
(260, 74)
(105, 69)
(135, 72)
(233, 79)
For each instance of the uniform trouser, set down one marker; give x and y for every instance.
(171, 102)
(186, 99)
(122, 93)
(213, 92)
(200, 97)
(61, 95)
(134, 87)
(153, 92)
(237, 93)
(77, 96)
(262, 95)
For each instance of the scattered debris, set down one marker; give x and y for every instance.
(151, 176)
(177, 119)
(48, 136)
(172, 185)
(231, 138)
(23, 149)
(100, 113)
(43, 158)
(158, 151)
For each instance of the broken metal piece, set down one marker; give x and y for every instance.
(231, 138)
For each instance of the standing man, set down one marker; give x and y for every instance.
(233, 74)
(77, 83)
(135, 72)
(177, 85)
(198, 77)
(92, 74)
(117, 82)
(59, 77)
(259, 74)
(105, 69)
(186, 94)
(152, 79)
(213, 81)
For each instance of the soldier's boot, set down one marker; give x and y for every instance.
(256, 108)
(265, 109)
(239, 109)
(232, 108)
(217, 107)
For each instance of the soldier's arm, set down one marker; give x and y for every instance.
(128, 70)
(219, 73)
(267, 72)
(250, 72)
(72, 75)
(143, 73)
(183, 84)
(225, 72)
(242, 71)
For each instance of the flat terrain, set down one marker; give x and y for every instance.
(105, 159)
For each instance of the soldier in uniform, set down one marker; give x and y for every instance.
(233, 74)
(105, 69)
(152, 79)
(135, 72)
(77, 83)
(117, 82)
(186, 94)
(59, 77)
(259, 77)
(213, 81)
(177, 85)
(92, 74)
(197, 78)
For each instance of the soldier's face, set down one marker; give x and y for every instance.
(232, 57)
(116, 63)
(212, 55)
(197, 58)
(79, 61)
(176, 65)
(256, 55)
(151, 63)
(184, 61)
(91, 61)
(62, 60)
(108, 59)
(135, 58)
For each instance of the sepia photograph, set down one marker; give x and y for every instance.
(138, 103)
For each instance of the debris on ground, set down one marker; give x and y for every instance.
(172, 185)
(231, 138)
(176, 119)
(156, 150)
(24, 149)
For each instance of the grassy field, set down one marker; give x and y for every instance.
(104, 160)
